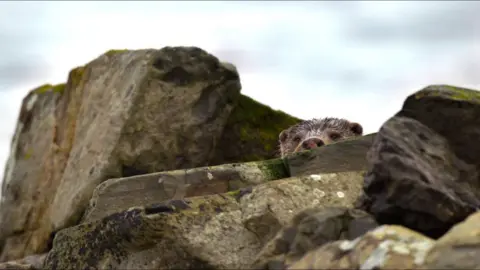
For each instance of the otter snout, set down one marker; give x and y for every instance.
(312, 143)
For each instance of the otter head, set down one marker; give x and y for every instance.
(313, 133)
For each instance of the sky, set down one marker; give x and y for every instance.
(311, 59)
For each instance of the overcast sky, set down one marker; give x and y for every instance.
(357, 60)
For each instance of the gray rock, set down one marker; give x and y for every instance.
(311, 229)
(416, 180)
(343, 156)
(453, 112)
(119, 194)
(32, 262)
(219, 231)
(123, 114)
(26, 186)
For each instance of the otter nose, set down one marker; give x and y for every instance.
(312, 143)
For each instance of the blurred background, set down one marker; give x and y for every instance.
(357, 60)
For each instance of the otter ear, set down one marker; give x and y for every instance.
(283, 135)
(356, 128)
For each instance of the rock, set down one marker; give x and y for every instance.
(452, 112)
(157, 136)
(416, 180)
(348, 155)
(458, 248)
(273, 208)
(214, 231)
(386, 247)
(251, 133)
(122, 114)
(15, 266)
(32, 262)
(26, 192)
(424, 173)
(310, 229)
(119, 194)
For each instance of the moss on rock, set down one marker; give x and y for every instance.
(274, 169)
(43, 88)
(251, 132)
(111, 53)
(75, 76)
(234, 193)
(58, 88)
(106, 242)
(28, 153)
(449, 91)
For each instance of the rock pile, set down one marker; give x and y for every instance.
(152, 159)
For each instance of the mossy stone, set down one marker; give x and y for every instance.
(111, 53)
(251, 132)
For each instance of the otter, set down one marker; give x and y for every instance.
(309, 134)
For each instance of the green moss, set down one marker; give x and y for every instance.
(234, 193)
(28, 154)
(75, 76)
(111, 53)
(59, 88)
(274, 169)
(43, 89)
(449, 91)
(258, 124)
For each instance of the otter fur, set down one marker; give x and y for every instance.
(309, 134)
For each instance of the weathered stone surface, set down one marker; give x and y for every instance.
(310, 229)
(452, 112)
(27, 177)
(214, 231)
(33, 262)
(459, 248)
(417, 181)
(424, 162)
(119, 194)
(348, 155)
(270, 207)
(386, 247)
(251, 133)
(15, 266)
(122, 114)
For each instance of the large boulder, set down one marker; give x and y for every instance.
(424, 162)
(122, 114)
(220, 231)
(31, 175)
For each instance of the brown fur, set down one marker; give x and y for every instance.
(313, 133)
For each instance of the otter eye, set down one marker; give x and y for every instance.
(334, 135)
(296, 139)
